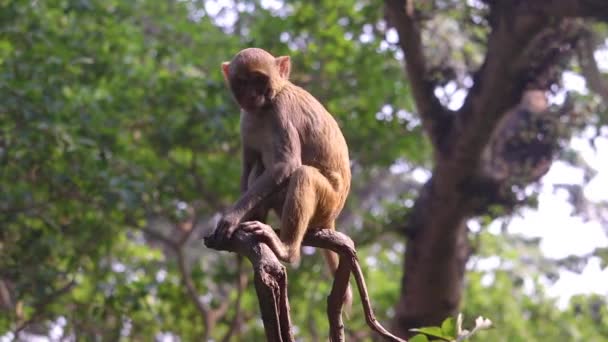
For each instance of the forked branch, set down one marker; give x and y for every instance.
(271, 282)
(270, 279)
(345, 247)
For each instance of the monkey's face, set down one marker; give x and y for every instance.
(251, 90)
(254, 76)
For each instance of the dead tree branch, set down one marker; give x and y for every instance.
(270, 279)
(271, 282)
(345, 247)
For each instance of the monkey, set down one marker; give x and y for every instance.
(295, 159)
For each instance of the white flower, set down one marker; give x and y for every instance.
(482, 323)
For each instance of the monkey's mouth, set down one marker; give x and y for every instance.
(253, 103)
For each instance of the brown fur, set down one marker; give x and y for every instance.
(295, 158)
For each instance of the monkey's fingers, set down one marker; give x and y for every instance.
(254, 226)
(224, 230)
(266, 234)
(261, 230)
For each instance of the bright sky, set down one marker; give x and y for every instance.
(561, 233)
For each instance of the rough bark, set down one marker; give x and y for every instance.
(270, 279)
(271, 282)
(527, 40)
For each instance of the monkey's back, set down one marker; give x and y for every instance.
(323, 145)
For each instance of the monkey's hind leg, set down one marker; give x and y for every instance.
(309, 196)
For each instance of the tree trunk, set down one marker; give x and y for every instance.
(435, 258)
(479, 150)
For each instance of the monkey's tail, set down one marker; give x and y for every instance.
(332, 261)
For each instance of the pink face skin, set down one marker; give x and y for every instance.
(251, 90)
(250, 81)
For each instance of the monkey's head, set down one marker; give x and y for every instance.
(255, 77)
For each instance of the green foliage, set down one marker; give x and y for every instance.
(115, 119)
(113, 113)
(451, 330)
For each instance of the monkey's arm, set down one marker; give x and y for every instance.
(286, 156)
(248, 159)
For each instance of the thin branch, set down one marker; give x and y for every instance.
(178, 248)
(193, 293)
(160, 237)
(210, 198)
(241, 285)
(186, 236)
(432, 113)
(41, 306)
(345, 247)
(6, 301)
(589, 67)
(208, 315)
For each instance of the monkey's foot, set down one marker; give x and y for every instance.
(267, 235)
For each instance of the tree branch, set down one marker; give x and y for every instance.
(271, 282)
(193, 293)
(597, 9)
(41, 306)
(521, 50)
(160, 237)
(208, 315)
(589, 67)
(270, 279)
(432, 113)
(345, 247)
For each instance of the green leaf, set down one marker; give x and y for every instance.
(432, 331)
(419, 338)
(448, 327)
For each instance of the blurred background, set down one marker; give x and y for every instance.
(119, 148)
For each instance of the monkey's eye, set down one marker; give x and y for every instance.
(258, 79)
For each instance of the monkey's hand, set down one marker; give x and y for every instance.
(267, 235)
(227, 225)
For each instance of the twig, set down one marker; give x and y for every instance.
(241, 285)
(40, 307)
(344, 246)
(209, 316)
(160, 237)
(193, 293)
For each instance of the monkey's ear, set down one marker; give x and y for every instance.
(284, 65)
(225, 69)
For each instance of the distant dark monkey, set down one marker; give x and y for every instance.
(295, 158)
